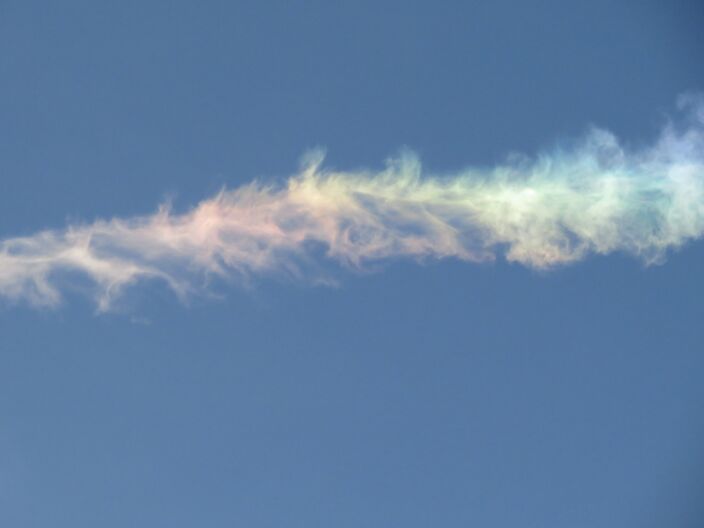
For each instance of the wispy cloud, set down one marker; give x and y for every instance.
(596, 197)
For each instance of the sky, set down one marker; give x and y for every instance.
(479, 307)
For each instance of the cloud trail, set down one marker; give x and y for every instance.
(596, 197)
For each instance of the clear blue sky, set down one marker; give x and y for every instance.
(441, 394)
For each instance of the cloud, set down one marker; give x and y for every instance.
(595, 197)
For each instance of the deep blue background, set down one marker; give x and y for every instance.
(442, 394)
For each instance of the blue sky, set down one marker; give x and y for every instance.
(441, 393)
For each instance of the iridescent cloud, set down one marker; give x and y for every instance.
(556, 208)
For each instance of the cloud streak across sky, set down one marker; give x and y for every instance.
(595, 197)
